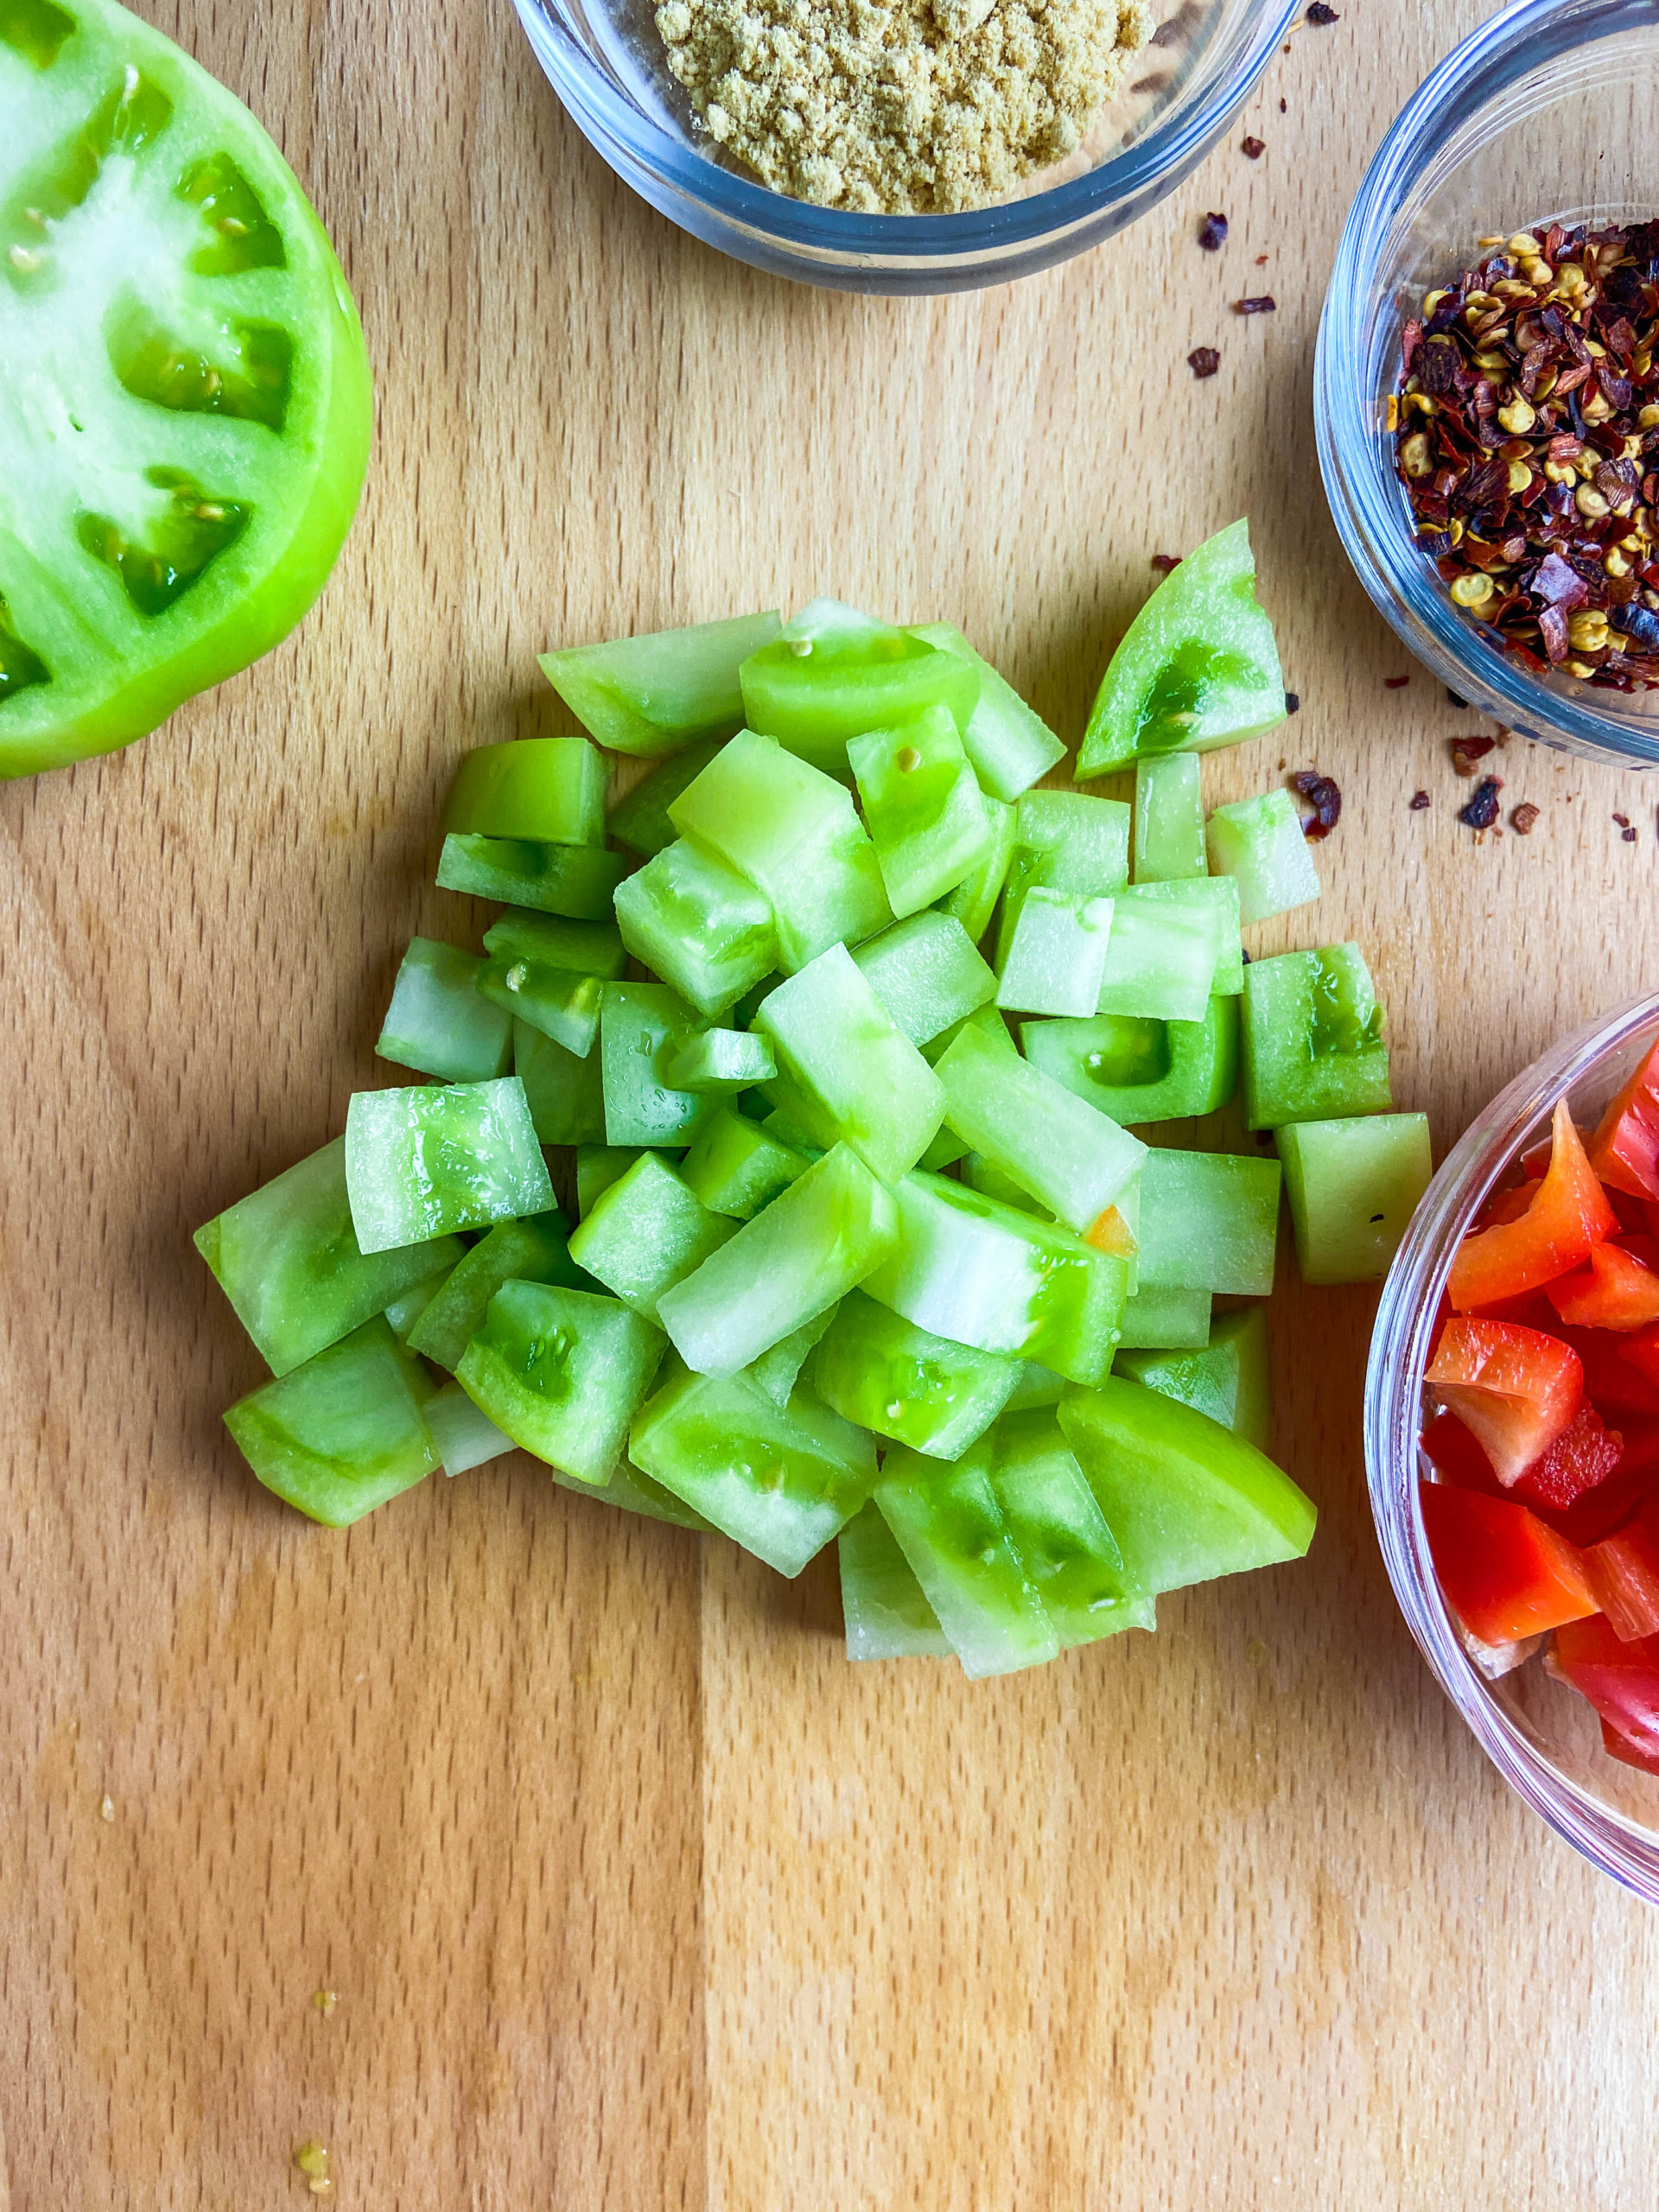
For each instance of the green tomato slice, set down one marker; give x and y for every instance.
(185, 411)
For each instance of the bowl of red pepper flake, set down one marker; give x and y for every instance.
(1487, 384)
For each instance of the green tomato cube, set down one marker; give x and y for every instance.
(551, 941)
(546, 790)
(532, 1250)
(559, 1003)
(1071, 1557)
(341, 1433)
(927, 973)
(974, 900)
(1037, 1386)
(427, 1160)
(663, 691)
(1353, 1187)
(707, 930)
(1057, 954)
(1216, 897)
(288, 1259)
(836, 673)
(437, 1022)
(1209, 1221)
(978, 1174)
(647, 1233)
(1312, 1040)
(404, 1313)
(565, 1092)
(463, 1437)
(839, 1045)
(1160, 958)
(562, 1372)
(1198, 667)
(639, 819)
(1259, 842)
(1068, 1156)
(778, 1370)
(887, 1374)
(1010, 746)
(1065, 841)
(736, 1168)
(630, 1492)
(1168, 818)
(599, 1166)
(985, 1274)
(780, 1481)
(1136, 1070)
(949, 1524)
(724, 1061)
(812, 1244)
(575, 880)
(1186, 1499)
(886, 1608)
(1227, 1378)
(640, 1023)
(922, 806)
(1166, 1319)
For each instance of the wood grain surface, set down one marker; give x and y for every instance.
(633, 1893)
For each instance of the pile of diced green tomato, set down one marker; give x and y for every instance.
(839, 1031)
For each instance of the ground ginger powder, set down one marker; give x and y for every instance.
(900, 106)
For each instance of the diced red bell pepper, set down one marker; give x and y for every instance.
(1584, 1455)
(1616, 1291)
(1615, 1385)
(1568, 1216)
(1517, 1388)
(1457, 1457)
(1603, 1510)
(1639, 1349)
(1643, 1753)
(1620, 1680)
(1624, 1150)
(1504, 1573)
(1623, 1571)
(1635, 1214)
(1506, 1205)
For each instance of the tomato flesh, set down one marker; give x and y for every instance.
(1517, 1388)
(1568, 1216)
(1504, 1574)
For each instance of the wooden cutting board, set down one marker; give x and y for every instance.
(632, 1893)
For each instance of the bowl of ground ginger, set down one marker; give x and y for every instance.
(903, 145)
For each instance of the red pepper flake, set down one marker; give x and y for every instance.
(1482, 810)
(1629, 835)
(1396, 683)
(1164, 563)
(1204, 361)
(1323, 796)
(1284, 107)
(1622, 820)
(1418, 801)
(1322, 13)
(1263, 303)
(1523, 819)
(1261, 260)
(1252, 149)
(1626, 828)
(1293, 702)
(1212, 233)
(1465, 751)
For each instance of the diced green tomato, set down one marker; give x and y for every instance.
(724, 1061)
(927, 973)
(1216, 896)
(778, 1371)
(1071, 1557)
(1259, 842)
(974, 900)
(795, 1120)
(1135, 1070)
(546, 790)
(1010, 746)
(705, 929)
(637, 1022)
(575, 880)
(1063, 1150)
(1198, 667)
(837, 1042)
(987, 1275)
(422, 1161)
(565, 1093)
(288, 1261)
(949, 1524)
(640, 819)
(922, 806)
(1037, 1386)
(853, 675)
(599, 1166)
(1160, 958)
(978, 1174)
(661, 692)
(185, 413)
(532, 1250)
(988, 1019)
(647, 1233)
(1353, 1187)
(437, 1022)
(1312, 1040)
(557, 1001)
(886, 1609)
(1228, 1378)
(736, 1168)
(815, 1241)
(1168, 1319)
(1209, 1221)
(779, 1481)
(1168, 818)
(1057, 954)
(463, 1437)
(581, 948)
(630, 1492)
(563, 1372)
(946, 1149)
(1186, 1499)
(341, 1433)
(404, 1313)
(887, 1374)
(1065, 841)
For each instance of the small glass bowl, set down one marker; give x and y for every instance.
(1542, 1736)
(605, 60)
(1545, 111)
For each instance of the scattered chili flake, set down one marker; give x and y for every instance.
(1263, 303)
(1212, 233)
(1524, 818)
(1418, 801)
(1204, 361)
(1323, 796)
(1252, 149)
(1293, 702)
(1284, 107)
(1622, 820)
(1261, 260)
(1452, 699)
(1629, 835)
(1482, 810)
(1396, 683)
(1322, 13)
(1465, 751)
(1165, 562)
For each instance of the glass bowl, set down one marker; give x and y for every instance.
(1542, 1737)
(604, 59)
(1545, 111)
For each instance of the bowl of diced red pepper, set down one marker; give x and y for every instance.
(1512, 1437)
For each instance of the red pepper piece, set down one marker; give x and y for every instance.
(1620, 1680)
(1623, 1571)
(1616, 1291)
(1609, 1379)
(1568, 1216)
(1582, 1457)
(1624, 1150)
(1455, 1455)
(1639, 1348)
(1504, 1574)
(1642, 1752)
(1517, 1388)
